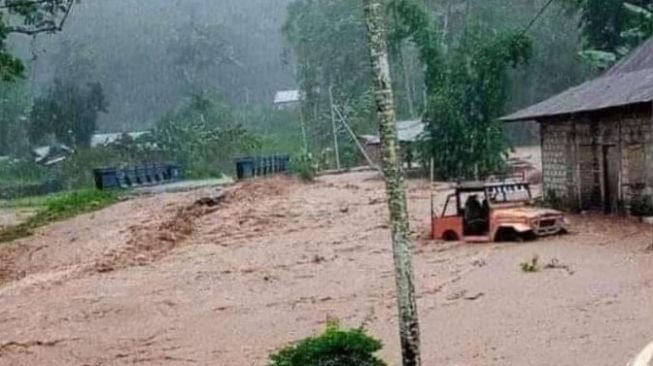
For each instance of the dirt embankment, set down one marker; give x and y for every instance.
(225, 278)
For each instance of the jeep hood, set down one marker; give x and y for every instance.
(525, 212)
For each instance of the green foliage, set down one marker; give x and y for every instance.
(77, 171)
(464, 136)
(305, 165)
(21, 171)
(328, 38)
(69, 112)
(203, 137)
(27, 17)
(466, 82)
(531, 266)
(612, 28)
(13, 106)
(58, 207)
(279, 129)
(641, 206)
(335, 347)
(414, 22)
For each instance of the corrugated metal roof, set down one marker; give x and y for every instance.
(639, 59)
(628, 82)
(407, 131)
(287, 96)
(103, 139)
(602, 93)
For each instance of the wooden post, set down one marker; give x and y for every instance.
(333, 127)
(369, 160)
(303, 126)
(394, 180)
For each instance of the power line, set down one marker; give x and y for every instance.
(537, 16)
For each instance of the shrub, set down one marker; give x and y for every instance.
(305, 166)
(203, 136)
(335, 347)
(531, 266)
(641, 206)
(21, 171)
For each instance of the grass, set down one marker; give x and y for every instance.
(35, 201)
(55, 207)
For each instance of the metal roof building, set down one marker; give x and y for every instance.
(286, 97)
(597, 138)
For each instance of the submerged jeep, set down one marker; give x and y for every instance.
(495, 211)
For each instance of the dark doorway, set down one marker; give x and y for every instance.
(610, 179)
(590, 178)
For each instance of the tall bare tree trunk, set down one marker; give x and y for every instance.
(394, 180)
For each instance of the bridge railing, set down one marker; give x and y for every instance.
(136, 176)
(257, 166)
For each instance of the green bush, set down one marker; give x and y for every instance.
(335, 347)
(531, 266)
(305, 165)
(65, 205)
(21, 171)
(641, 206)
(203, 136)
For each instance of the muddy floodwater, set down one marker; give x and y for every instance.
(172, 279)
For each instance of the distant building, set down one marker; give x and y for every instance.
(106, 139)
(408, 133)
(51, 154)
(285, 99)
(597, 138)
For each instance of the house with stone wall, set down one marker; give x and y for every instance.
(597, 138)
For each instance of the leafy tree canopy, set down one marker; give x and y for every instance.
(335, 347)
(13, 106)
(28, 17)
(69, 111)
(328, 39)
(465, 78)
(464, 136)
(612, 28)
(203, 136)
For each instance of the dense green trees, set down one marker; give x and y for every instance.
(462, 75)
(465, 138)
(69, 112)
(438, 52)
(27, 17)
(13, 107)
(612, 28)
(328, 40)
(203, 136)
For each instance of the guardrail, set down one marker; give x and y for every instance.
(136, 176)
(257, 166)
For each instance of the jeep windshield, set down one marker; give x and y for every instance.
(508, 194)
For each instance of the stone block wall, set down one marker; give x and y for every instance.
(557, 158)
(572, 147)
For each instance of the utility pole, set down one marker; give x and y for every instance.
(333, 127)
(369, 160)
(394, 180)
(302, 124)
